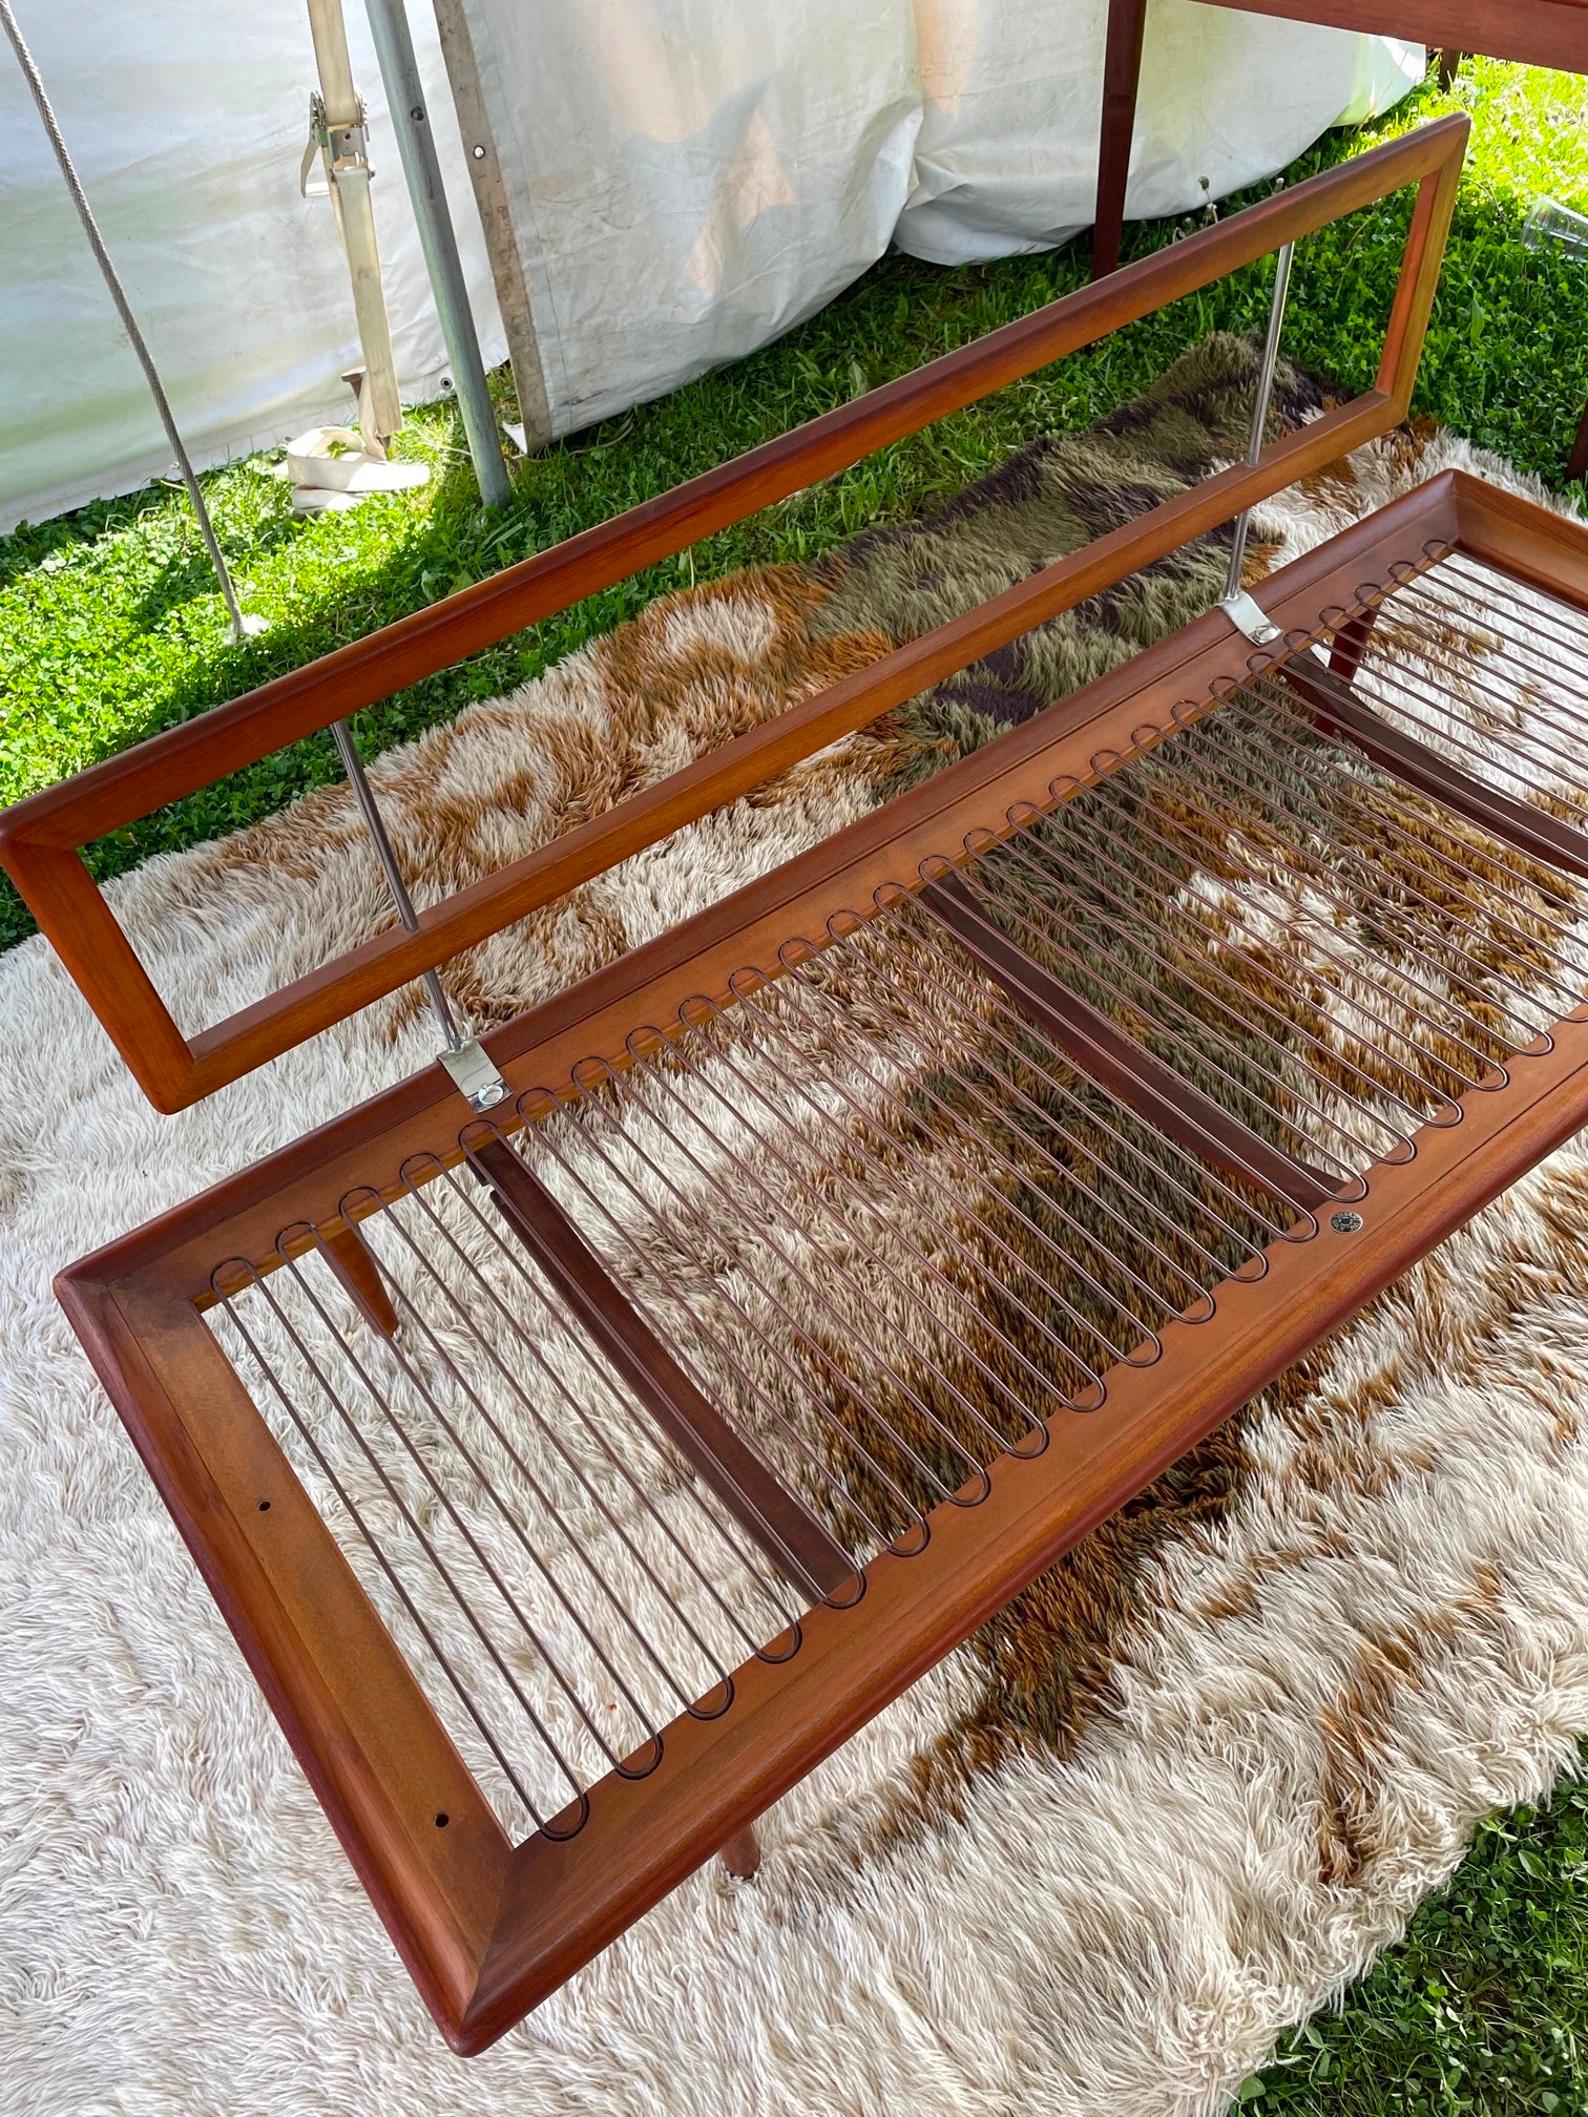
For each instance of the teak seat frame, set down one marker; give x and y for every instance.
(488, 1926)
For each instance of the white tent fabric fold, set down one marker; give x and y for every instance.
(687, 179)
(1012, 91)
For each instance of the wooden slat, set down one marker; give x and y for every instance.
(1167, 1101)
(779, 1523)
(1533, 831)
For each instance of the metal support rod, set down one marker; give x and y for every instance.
(242, 627)
(1265, 391)
(410, 120)
(364, 795)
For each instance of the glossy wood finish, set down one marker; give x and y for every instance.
(1533, 831)
(489, 1927)
(1127, 23)
(742, 1854)
(379, 1761)
(41, 837)
(360, 1277)
(779, 1523)
(563, 1903)
(1532, 32)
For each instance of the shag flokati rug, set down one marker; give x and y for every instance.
(1101, 1857)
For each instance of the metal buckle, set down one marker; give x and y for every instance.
(1248, 616)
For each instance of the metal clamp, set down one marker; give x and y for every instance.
(1246, 614)
(337, 148)
(474, 1075)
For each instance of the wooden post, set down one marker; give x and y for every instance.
(347, 172)
(496, 221)
(1577, 462)
(1121, 78)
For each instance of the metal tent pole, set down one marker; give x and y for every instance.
(410, 120)
(243, 626)
(1265, 391)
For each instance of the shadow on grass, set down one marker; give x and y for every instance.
(190, 575)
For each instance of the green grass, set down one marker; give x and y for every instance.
(110, 626)
(1482, 2008)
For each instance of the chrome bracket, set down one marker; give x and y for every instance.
(347, 146)
(475, 1076)
(1247, 615)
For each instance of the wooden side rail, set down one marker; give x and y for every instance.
(41, 838)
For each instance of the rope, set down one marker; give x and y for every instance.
(96, 242)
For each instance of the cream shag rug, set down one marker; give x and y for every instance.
(1097, 1867)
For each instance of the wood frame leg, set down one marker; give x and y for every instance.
(741, 1856)
(1121, 78)
(1577, 461)
(1449, 61)
(361, 1279)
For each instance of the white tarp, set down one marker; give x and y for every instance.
(187, 122)
(1007, 156)
(688, 178)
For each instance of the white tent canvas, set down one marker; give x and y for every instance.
(188, 123)
(686, 179)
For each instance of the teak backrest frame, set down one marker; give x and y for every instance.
(41, 839)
